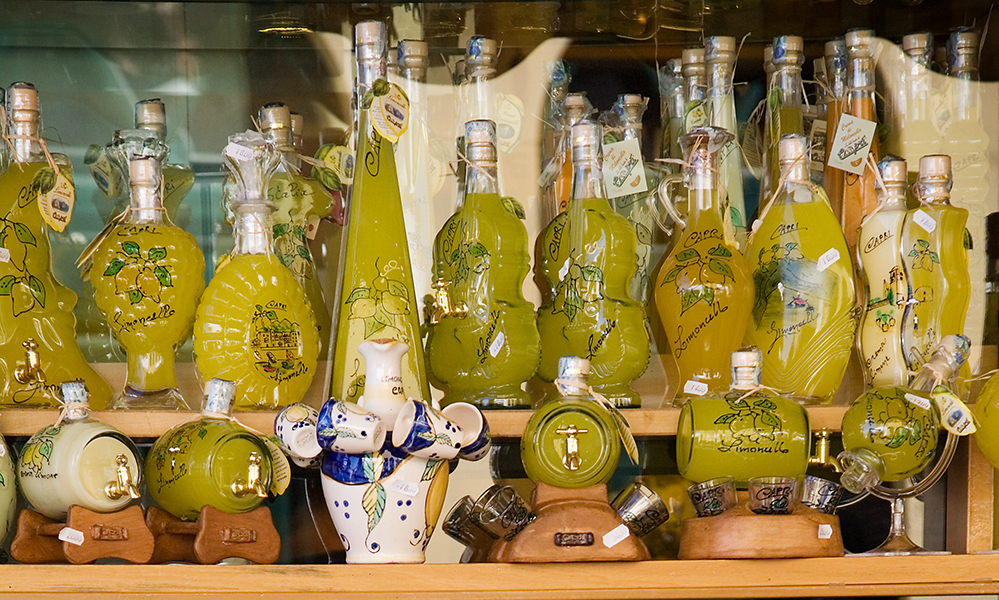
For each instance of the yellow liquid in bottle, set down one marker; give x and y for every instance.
(886, 296)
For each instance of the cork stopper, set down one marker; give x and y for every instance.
(480, 141)
(934, 167)
(22, 98)
(150, 114)
(893, 170)
(963, 46)
(143, 171)
(480, 57)
(787, 49)
(412, 54)
(719, 47)
(917, 43)
(586, 139)
(575, 107)
(220, 397)
(274, 116)
(692, 60)
(747, 368)
(859, 43)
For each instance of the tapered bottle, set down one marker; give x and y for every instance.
(704, 287)
(672, 105)
(936, 263)
(917, 136)
(832, 178)
(40, 350)
(377, 299)
(254, 325)
(483, 340)
(886, 290)
(859, 196)
(803, 317)
(573, 109)
(695, 89)
(148, 276)
(299, 201)
(719, 54)
(784, 102)
(891, 432)
(587, 261)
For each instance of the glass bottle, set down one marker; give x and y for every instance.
(784, 102)
(205, 461)
(148, 276)
(803, 310)
(40, 350)
(936, 263)
(254, 325)
(817, 128)
(859, 195)
(672, 107)
(890, 432)
(745, 432)
(571, 441)
(377, 298)
(832, 179)
(719, 54)
(299, 201)
(587, 260)
(484, 344)
(704, 288)
(917, 137)
(695, 88)
(476, 96)
(73, 461)
(573, 109)
(886, 290)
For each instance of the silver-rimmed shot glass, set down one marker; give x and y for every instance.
(640, 508)
(713, 497)
(502, 512)
(772, 495)
(821, 494)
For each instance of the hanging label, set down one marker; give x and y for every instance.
(238, 152)
(497, 344)
(280, 468)
(695, 115)
(826, 260)
(919, 401)
(406, 488)
(105, 175)
(924, 220)
(697, 388)
(616, 536)
(73, 536)
(624, 432)
(390, 113)
(56, 195)
(852, 144)
(825, 531)
(340, 160)
(624, 169)
(549, 173)
(955, 415)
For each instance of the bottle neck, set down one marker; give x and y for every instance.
(860, 80)
(934, 192)
(917, 89)
(796, 171)
(254, 234)
(787, 79)
(720, 78)
(695, 88)
(481, 176)
(745, 378)
(966, 105)
(146, 204)
(931, 374)
(892, 196)
(587, 179)
(24, 136)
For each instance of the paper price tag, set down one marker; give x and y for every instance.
(918, 401)
(497, 344)
(924, 220)
(616, 536)
(955, 414)
(697, 388)
(73, 536)
(825, 531)
(312, 226)
(406, 488)
(852, 144)
(624, 169)
(4, 255)
(280, 468)
(238, 152)
(826, 260)
(390, 113)
(56, 195)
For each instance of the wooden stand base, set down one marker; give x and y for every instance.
(215, 536)
(570, 527)
(739, 533)
(122, 534)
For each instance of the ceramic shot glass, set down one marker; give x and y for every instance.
(477, 440)
(713, 497)
(349, 429)
(461, 525)
(640, 508)
(295, 426)
(821, 494)
(502, 512)
(424, 432)
(772, 495)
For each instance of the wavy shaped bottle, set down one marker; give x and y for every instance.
(254, 325)
(587, 262)
(803, 318)
(486, 345)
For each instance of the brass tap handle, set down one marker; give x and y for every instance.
(252, 484)
(822, 457)
(571, 460)
(443, 305)
(123, 485)
(31, 371)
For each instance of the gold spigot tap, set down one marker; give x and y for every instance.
(123, 485)
(571, 460)
(31, 371)
(250, 485)
(444, 306)
(822, 457)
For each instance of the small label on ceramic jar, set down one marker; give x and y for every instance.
(407, 488)
(826, 260)
(924, 220)
(68, 534)
(616, 536)
(696, 388)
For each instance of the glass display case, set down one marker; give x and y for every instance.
(214, 64)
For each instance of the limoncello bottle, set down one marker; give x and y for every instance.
(695, 88)
(483, 343)
(377, 300)
(936, 263)
(299, 201)
(859, 195)
(588, 257)
(803, 317)
(744, 432)
(574, 108)
(886, 291)
(254, 326)
(719, 54)
(784, 100)
(890, 432)
(832, 178)
(704, 287)
(148, 276)
(917, 135)
(40, 350)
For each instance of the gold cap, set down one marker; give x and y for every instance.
(274, 115)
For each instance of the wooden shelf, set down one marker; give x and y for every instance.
(847, 576)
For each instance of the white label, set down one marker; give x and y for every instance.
(825, 531)
(312, 226)
(918, 401)
(55, 202)
(564, 270)
(4, 255)
(924, 220)
(827, 259)
(852, 144)
(497, 344)
(954, 414)
(697, 388)
(73, 536)
(624, 169)
(616, 536)
(407, 488)
(340, 160)
(549, 173)
(390, 113)
(239, 152)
